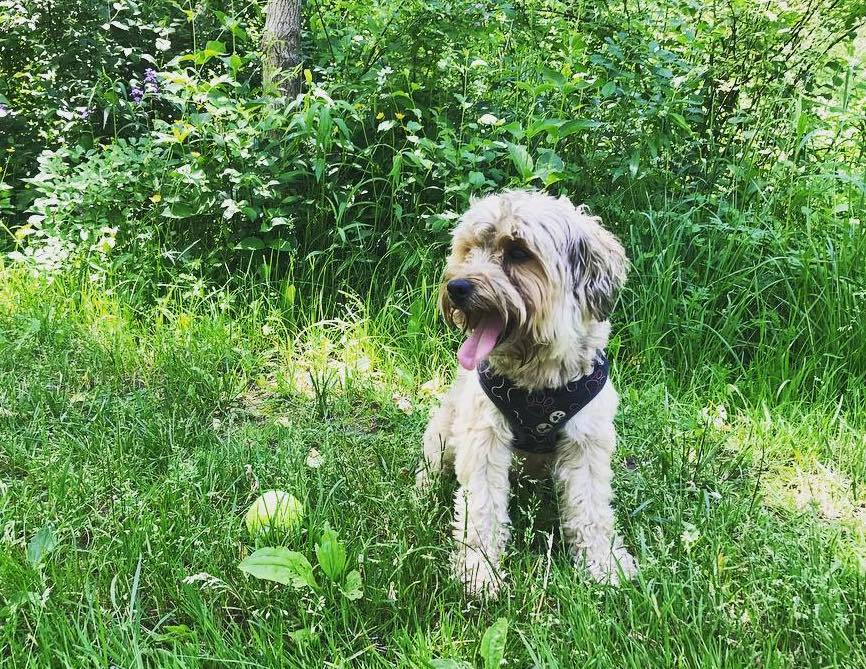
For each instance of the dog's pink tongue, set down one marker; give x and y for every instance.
(479, 343)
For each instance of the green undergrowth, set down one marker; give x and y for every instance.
(133, 439)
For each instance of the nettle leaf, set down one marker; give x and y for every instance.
(331, 554)
(42, 543)
(354, 587)
(493, 644)
(280, 565)
(521, 159)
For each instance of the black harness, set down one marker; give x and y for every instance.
(537, 416)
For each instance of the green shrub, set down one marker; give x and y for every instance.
(724, 144)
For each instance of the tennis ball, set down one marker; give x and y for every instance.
(274, 509)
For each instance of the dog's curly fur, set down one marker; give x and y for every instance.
(554, 303)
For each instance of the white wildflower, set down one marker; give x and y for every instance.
(314, 459)
(689, 535)
(382, 75)
(717, 416)
(402, 403)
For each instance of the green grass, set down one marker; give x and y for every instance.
(138, 434)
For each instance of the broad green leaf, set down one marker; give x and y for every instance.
(476, 179)
(515, 130)
(288, 292)
(215, 46)
(493, 644)
(549, 167)
(576, 125)
(178, 210)
(250, 244)
(449, 664)
(281, 245)
(521, 159)
(303, 636)
(680, 120)
(281, 565)
(42, 543)
(331, 554)
(544, 125)
(354, 587)
(634, 163)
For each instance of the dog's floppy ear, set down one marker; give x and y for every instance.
(599, 266)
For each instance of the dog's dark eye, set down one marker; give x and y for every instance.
(516, 253)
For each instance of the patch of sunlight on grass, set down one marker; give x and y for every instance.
(830, 495)
(811, 464)
(343, 350)
(827, 491)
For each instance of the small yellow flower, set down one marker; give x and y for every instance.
(399, 116)
(380, 116)
(156, 198)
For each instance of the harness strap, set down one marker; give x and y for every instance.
(536, 417)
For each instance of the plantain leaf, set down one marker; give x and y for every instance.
(493, 644)
(331, 554)
(281, 565)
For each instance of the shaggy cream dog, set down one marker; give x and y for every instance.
(532, 280)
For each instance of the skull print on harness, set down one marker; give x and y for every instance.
(536, 417)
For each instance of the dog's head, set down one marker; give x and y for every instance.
(528, 267)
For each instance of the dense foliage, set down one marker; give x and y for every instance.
(723, 142)
(209, 290)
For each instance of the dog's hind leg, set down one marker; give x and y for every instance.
(584, 474)
(438, 452)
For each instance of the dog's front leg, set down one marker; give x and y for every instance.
(481, 523)
(438, 452)
(583, 473)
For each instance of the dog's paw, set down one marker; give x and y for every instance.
(424, 479)
(480, 578)
(609, 566)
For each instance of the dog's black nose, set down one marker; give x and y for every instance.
(459, 290)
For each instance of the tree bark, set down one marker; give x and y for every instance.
(282, 45)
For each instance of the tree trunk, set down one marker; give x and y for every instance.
(282, 45)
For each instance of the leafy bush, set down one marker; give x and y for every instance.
(723, 143)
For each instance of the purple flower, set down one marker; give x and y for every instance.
(3, 110)
(150, 83)
(85, 112)
(136, 94)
